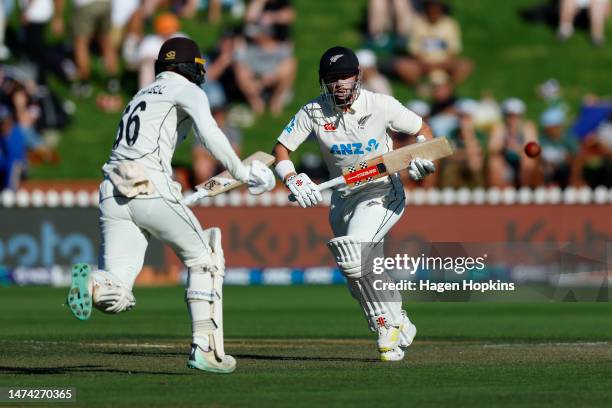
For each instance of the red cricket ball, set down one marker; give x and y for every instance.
(532, 149)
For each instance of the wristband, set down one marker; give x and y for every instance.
(284, 168)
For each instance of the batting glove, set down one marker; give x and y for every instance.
(420, 168)
(304, 190)
(261, 178)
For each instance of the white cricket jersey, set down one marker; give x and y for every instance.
(159, 117)
(347, 137)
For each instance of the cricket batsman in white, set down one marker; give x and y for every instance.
(139, 199)
(351, 124)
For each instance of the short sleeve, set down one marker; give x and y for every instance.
(400, 118)
(297, 130)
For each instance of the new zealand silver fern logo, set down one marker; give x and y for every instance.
(335, 58)
(362, 121)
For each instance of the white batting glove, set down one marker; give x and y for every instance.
(304, 190)
(420, 168)
(261, 178)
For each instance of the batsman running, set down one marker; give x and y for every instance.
(351, 124)
(139, 199)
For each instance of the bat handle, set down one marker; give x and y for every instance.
(192, 198)
(331, 183)
(324, 186)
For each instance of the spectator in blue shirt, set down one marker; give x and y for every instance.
(12, 151)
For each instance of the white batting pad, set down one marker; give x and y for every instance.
(380, 307)
(347, 252)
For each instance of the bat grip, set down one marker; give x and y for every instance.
(192, 198)
(331, 183)
(324, 186)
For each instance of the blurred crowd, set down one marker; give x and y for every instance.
(489, 138)
(30, 120)
(251, 70)
(252, 63)
(566, 15)
(420, 44)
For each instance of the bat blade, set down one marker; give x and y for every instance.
(394, 161)
(380, 166)
(224, 181)
(399, 159)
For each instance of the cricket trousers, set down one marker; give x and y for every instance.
(126, 224)
(367, 216)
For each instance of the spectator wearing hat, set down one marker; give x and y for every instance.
(371, 78)
(465, 168)
(435, 44)
(559, 148)
(508, 163)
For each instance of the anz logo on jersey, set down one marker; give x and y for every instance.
(351, 149)
(290, 126)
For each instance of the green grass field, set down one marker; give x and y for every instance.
(308, 346)
(512, 57)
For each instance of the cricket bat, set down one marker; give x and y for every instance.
(224, 181)
(374, 168)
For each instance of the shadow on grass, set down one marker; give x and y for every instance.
(153, 353)
(299, 358)
(144, 353)
(76, 369)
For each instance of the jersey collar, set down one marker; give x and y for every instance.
(170, 74)
(356, 107)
